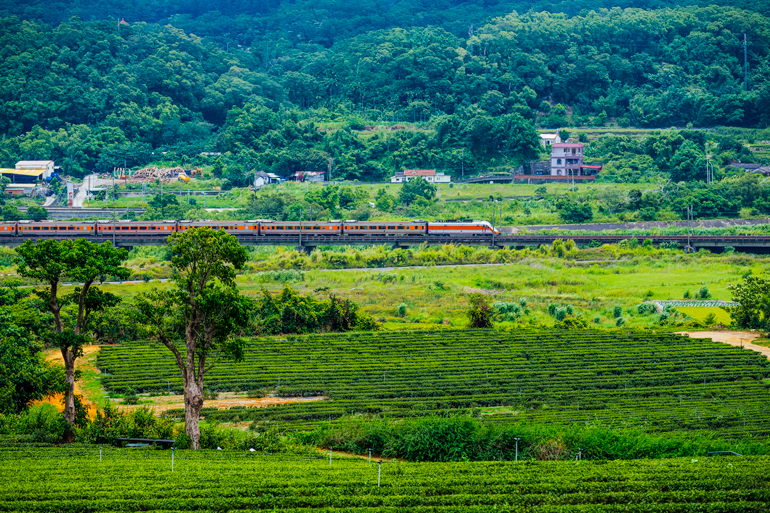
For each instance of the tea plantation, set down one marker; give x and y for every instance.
(71, 479)
(661, 382)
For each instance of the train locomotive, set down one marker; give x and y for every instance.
(259, 227)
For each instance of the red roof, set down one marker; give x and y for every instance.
(592, 167)
(419, 172)
(567, 145)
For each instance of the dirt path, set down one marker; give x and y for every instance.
(82, 363)
(734, 338)
(224, 401)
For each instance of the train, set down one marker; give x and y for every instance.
(258, 227)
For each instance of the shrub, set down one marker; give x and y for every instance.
(646, 308)
(43, 423)
(597, 320)
(479, 311)
(703, 293)
(620, 321)
(571, 323)
(130, 397)
(617, 311)
(402, 310)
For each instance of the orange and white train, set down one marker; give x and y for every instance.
(260, 227)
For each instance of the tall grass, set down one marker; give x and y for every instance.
(465, 438)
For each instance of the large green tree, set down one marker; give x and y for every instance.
(50, 262)
(24, 376)
(753, 298)
(199, 317)
(417, 187)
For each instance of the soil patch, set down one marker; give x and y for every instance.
(225, 401)
(82, 364)
(734, 338)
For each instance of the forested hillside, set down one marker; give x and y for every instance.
(286, 86)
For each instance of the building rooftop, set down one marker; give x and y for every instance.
(419, 172)
(567, 145)
(26, 172)
(29, 163)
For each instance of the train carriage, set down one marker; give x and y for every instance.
(385, 228)
(233, 227)
(292, 228)
(55, 229)
(8, 228)
(462, 229)
(127, 228)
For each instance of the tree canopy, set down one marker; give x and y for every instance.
(50, 262)
(259, 83)
(197, 319)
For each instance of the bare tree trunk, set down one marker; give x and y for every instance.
(69, 395)
(193, 402)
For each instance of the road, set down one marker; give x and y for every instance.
(734, 338)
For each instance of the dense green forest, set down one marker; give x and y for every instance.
(374, 86)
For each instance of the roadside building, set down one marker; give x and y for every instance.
(261, 178)
(566, 165)
(309, 176)
(566, 159)
(19, 189)
(430, 175)
(29, 171)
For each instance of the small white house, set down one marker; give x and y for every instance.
(547, 140)
(430, 175)
(261, 178)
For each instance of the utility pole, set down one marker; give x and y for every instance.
(462, 162)
(300, 228)
(709, 172)
(745, 64)
(689, 228)
(331, 165)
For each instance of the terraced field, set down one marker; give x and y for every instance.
(75, 480)
(662, 382)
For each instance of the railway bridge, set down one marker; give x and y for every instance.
(307, 242)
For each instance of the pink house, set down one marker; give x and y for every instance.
(566, 159)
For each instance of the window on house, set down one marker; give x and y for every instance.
(558, 161)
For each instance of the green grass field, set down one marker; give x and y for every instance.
(701, 313)
(593, 282)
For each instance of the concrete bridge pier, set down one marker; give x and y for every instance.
(305, 249)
